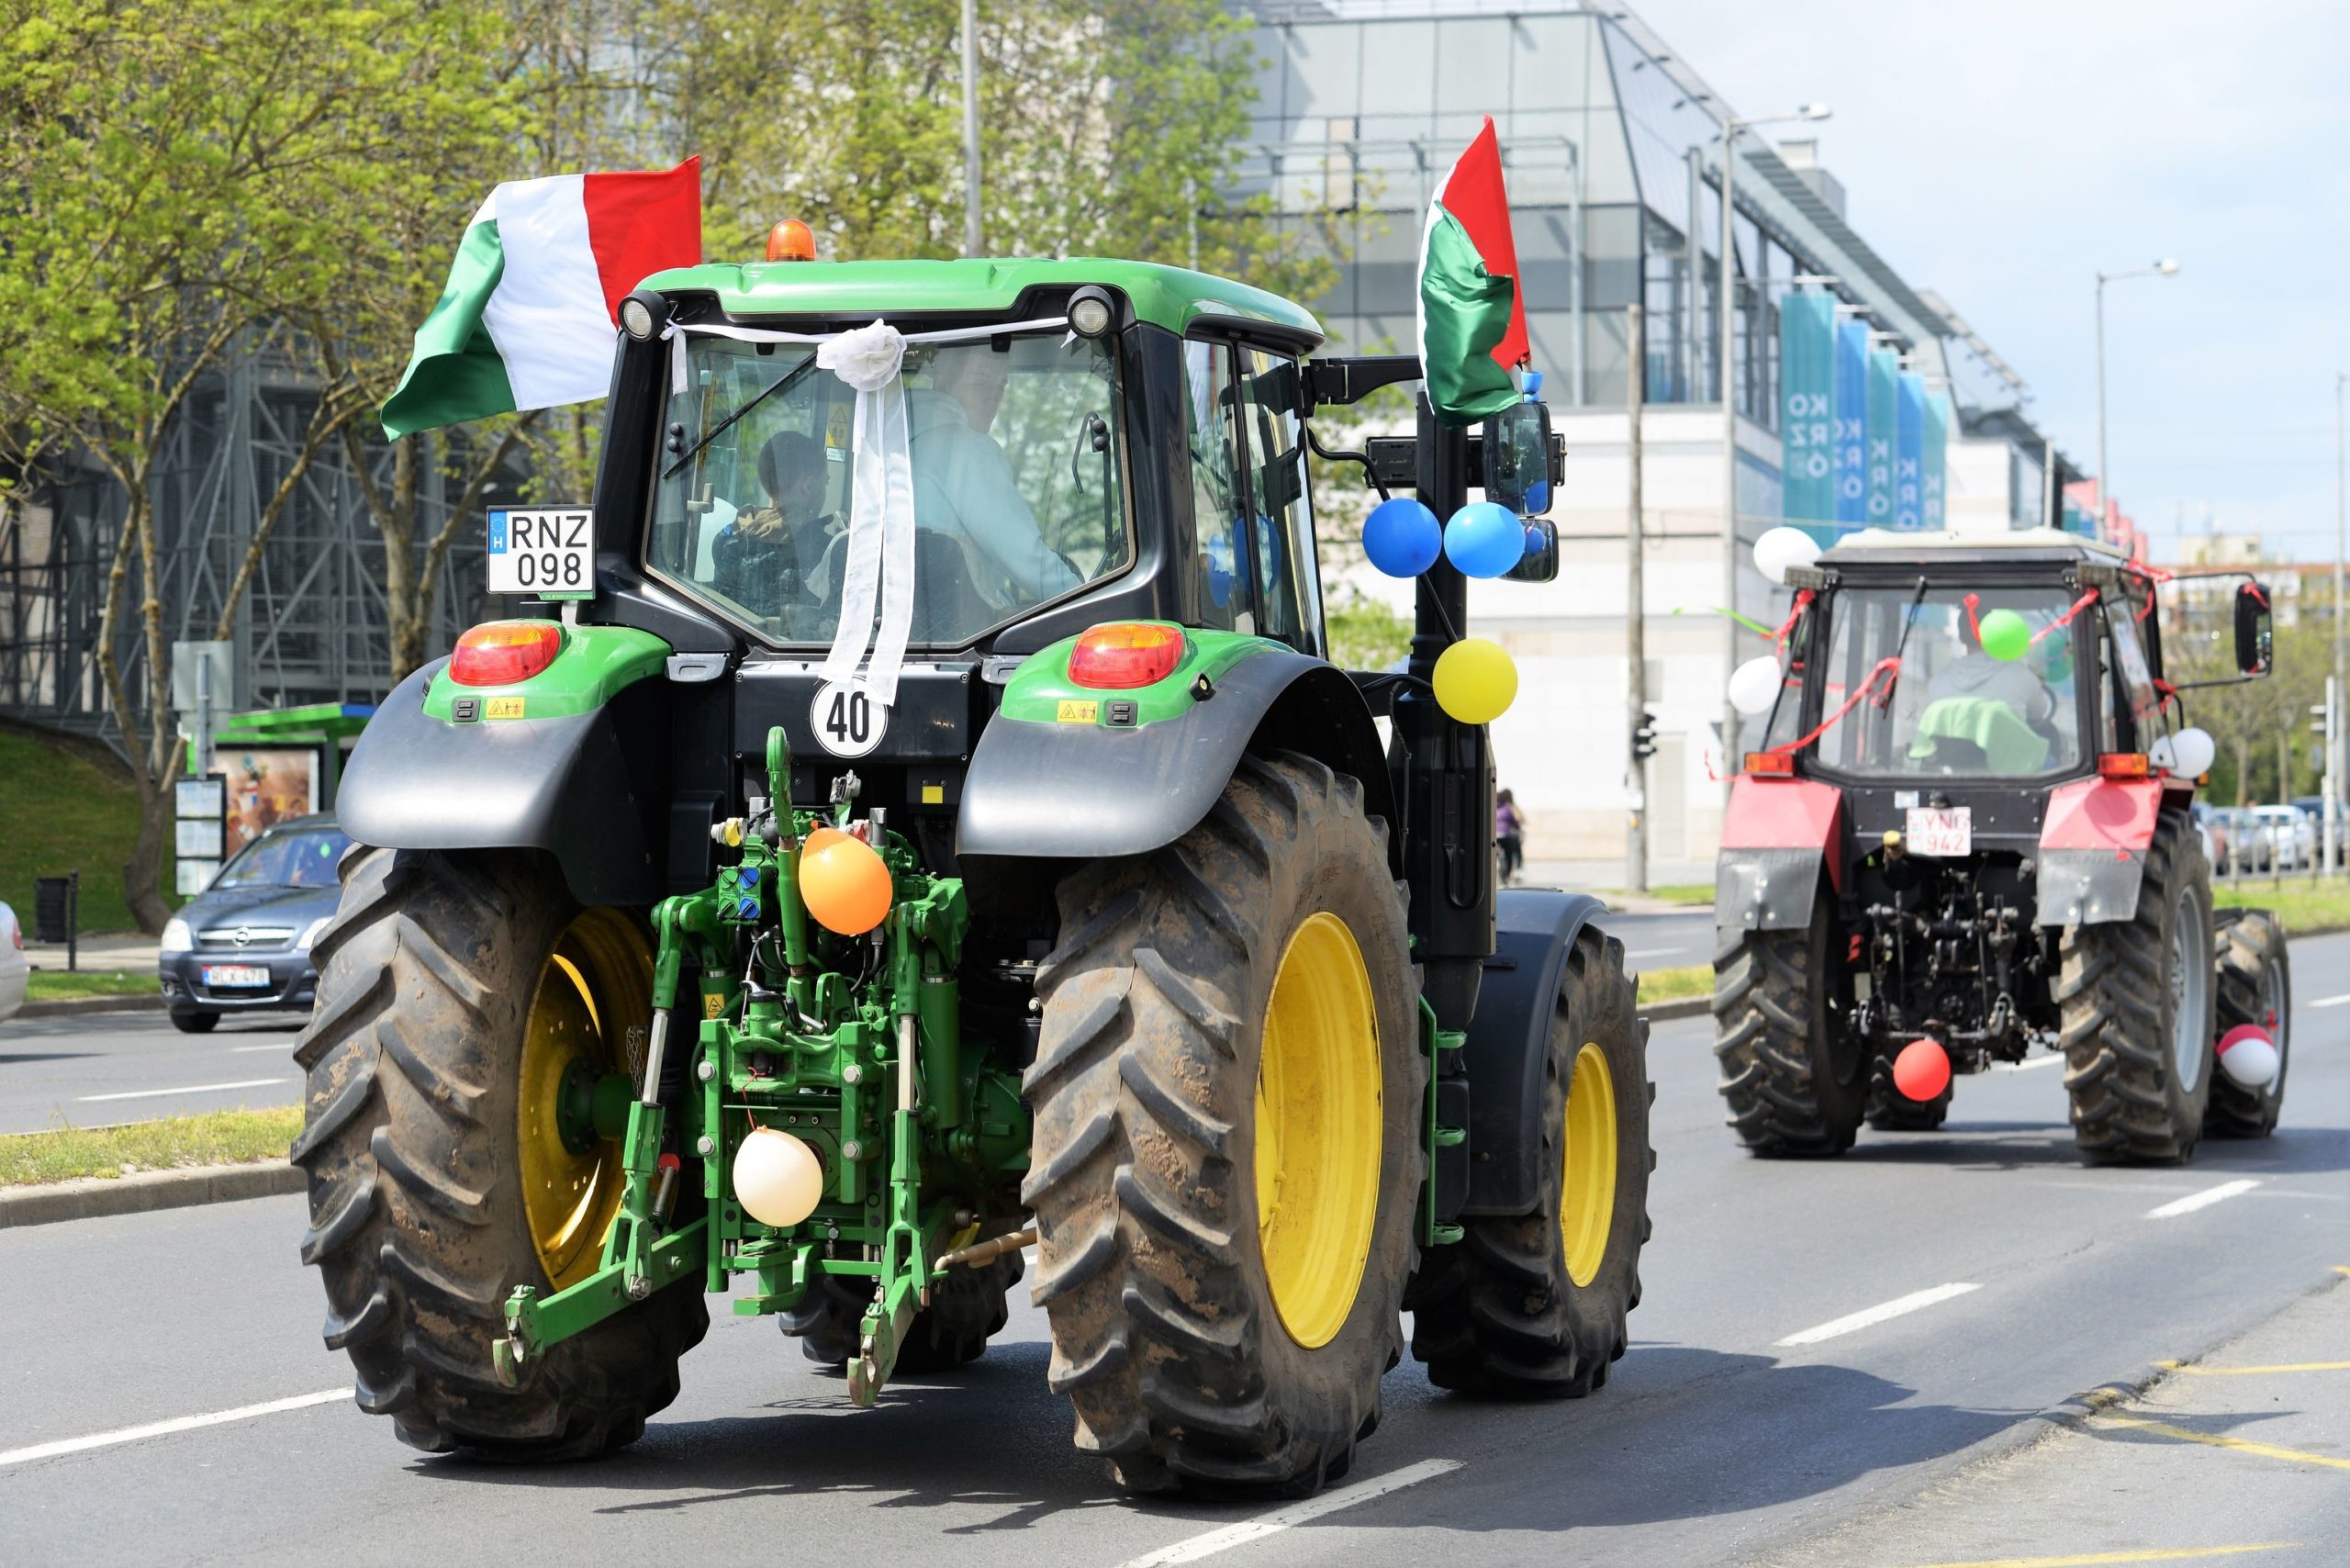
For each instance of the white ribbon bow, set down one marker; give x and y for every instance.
(882, 511)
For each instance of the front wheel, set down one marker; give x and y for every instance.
(1534, 1304)
(2137, 1011)
(196, 1023)
(1228, 1093)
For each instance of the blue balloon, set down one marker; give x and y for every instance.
(1484, 539)
(1402, 537)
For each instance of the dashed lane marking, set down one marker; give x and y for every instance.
(2084, 1559)
(2204, 1199)
(190, 1089)
(2331, 1001)
(279, 1046)
(164, 1429)
(1207, 1544)
(1870, 1317)
(2182, 1367)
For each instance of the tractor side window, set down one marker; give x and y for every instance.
(1288, 584)
(2133, 689)
(1218, 504)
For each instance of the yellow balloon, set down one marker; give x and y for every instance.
(1475, 681)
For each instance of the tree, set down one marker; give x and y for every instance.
(182, 174)
(2258, 723)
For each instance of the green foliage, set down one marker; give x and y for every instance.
(1672, 984)
(65, 813)
(1364, 634)
(2306, 906)
(2266, 751)
(65, 985)
(168, 1143)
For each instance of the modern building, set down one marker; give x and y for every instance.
(1612, 144)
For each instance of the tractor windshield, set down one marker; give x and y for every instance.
(1986, 684)
(1016, 457)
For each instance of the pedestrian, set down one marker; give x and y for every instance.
(1509, 831)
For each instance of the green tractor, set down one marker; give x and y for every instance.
(694, 947)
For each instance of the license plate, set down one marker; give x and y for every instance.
(1947, 833)
(230, 977)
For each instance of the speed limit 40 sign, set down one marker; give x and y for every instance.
(546, 555)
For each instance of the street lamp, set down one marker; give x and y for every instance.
(1726, 304)
(2164, 268)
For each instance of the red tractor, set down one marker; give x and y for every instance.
(1967, 831)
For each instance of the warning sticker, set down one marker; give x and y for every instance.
(1077, 710)
(502, 708)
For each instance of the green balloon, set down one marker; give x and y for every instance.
(2006, 636)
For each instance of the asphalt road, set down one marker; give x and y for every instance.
(1749, 1424)
(1664, 941)
(99, 1068)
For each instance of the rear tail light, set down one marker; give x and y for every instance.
(499, 653)
(1771, 764)
(2124, 764)
(1124, 654)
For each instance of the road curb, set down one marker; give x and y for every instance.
(1679, 1007)
(95, 1197)
(71, 1005)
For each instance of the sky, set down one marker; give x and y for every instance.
(2003, 153)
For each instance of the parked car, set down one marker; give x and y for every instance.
(2212, 822)
(2292, 836)
(244, 945)
(14, 966)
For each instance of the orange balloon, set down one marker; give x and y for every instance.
(846, 884)
(1922, 1069)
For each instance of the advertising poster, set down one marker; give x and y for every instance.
(265, 787)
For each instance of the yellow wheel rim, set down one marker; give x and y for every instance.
(595, 983)
(1318, 1130)
(1587, 1179)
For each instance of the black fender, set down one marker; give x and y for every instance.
(1509, 1047)
(562, 785)
(1089, 792)
(1767, 889)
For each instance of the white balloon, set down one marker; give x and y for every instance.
(1754, 685)
(778, 1178)
(2187, 755)
(1782, 549)
(2251, 1061)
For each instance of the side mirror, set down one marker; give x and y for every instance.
(1517, 459)
(1540, 563)
(2255, 638)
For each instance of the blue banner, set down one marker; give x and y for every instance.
(1852, 423)
(1884, 375)
(1807, 399)
(1909, 450)
(1933, 487)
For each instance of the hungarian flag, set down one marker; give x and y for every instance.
(527, 319)
(1473, 321)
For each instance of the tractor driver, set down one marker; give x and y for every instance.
(763, 559)
(964, 485)
(1985, 712)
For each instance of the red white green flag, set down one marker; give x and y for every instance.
(1472, 320)
(527, 316)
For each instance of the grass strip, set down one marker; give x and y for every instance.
(2307, 907)
(60, 985)
(168, 1143)
(1672, 984)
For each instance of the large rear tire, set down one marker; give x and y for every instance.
(1227, 1151)
(1533, 1305)
(1790, 1069)
(2136, 997)
(447, 983)
(2256, 986)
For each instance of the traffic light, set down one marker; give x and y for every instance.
(1644, 736)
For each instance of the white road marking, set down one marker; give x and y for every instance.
(1868, 1317)
(1210, 1543)
(278, 1046)
(1648, 952)
(190, 1089)
(164, 1429)
(2204, 1199)
(2331, 1001)
(2027, 1065)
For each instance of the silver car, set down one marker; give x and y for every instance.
(2290, 835)
(14, 966)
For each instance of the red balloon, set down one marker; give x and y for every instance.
(1922, 1069)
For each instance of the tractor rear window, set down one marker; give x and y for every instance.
(1018, 482)
(1985, 687)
